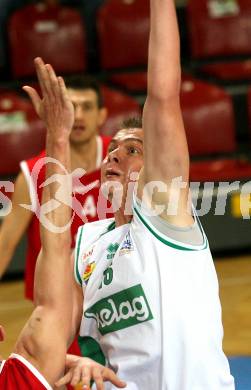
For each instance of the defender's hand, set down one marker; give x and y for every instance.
(55, 108)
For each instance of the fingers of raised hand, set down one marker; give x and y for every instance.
(52, 82)
(42, 75)
(34, 96)
(63, 90)
(48, 80)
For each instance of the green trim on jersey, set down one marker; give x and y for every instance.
(77, 274)
(165, 241)
(90, 348)
(109, 228)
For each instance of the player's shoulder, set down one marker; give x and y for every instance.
(189, 238)
(91, 232)
(96, 228)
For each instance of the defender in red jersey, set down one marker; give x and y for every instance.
(90, 182)
(87, 151)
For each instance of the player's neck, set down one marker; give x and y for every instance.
(121, 218)
(84, 155)
(123, 214)
(123, 207)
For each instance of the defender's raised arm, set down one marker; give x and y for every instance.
(40, 353)
(50, 323)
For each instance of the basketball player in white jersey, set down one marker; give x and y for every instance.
(151, 309)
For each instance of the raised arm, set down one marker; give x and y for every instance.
(53, 324)
(45, 338)
(165, 147)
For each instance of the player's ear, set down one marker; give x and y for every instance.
(103, 113)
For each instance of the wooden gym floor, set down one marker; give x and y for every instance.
(235, 291)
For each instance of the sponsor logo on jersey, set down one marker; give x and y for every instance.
(87, 254)
(121, 310)
(88, 271)
(127, 245)
(112, 249)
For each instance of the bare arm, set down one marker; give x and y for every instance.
(165, 147)
(15, 224)
(45, 338)
(53, 324)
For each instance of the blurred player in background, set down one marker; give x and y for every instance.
(87, 151)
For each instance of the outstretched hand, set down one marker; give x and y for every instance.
(81, 371)
(55, 108)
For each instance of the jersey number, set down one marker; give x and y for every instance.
(107, 277)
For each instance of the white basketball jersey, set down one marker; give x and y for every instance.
(151, 304)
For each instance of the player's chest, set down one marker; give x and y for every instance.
(116, 295)
(113, 265)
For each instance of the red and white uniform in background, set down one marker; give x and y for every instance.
(88, 201)
(17, 373)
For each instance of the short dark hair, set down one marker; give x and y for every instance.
(86, 82)
(132, 123)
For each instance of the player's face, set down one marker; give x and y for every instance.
(125, 156)
(88, 116)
